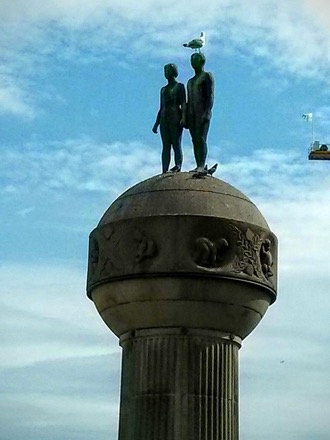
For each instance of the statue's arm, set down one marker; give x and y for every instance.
(209, 89)
(183, 105)
(157, 122)
(188, 104)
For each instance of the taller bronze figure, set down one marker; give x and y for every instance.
(171, 117)
(199, 109)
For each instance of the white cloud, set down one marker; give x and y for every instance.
(61, 325)
(66, 374)
(14, 100)
(76, 165)
(52, 331)
(25, 211)
(278, 182)
(291, 36)
(293, 194)
(78, 396)
(320, 11)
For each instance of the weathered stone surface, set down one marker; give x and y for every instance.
(181, 269)
(174, 250)
(179, 384)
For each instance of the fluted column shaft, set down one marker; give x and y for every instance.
(179, 384)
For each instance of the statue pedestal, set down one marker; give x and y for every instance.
(181, 270)
(179, 384)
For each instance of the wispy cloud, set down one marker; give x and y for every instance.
(287, 36)
(64, 376)
(64, 396)
(293, 194)
(277, 181)
(15, 100)
(25, 211)
(60, 366)
(55, 346)
(37, 330)
(76, 165)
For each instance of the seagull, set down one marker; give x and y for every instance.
(196, 43)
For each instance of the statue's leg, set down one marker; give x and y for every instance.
(200, 145)
(178, 156)
(192, 131)
(166, 153)
(166, 157)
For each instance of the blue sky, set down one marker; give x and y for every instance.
(79, 93)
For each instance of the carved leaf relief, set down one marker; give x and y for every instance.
(247, 259)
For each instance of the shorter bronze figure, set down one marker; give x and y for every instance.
(199, 109)
(171, 118)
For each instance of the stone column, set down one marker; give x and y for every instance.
(181, 270)
(179, 384)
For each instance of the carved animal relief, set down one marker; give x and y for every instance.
(146, 247)
(266, 258)
(208, 253)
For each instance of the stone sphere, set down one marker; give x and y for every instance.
(178, 251)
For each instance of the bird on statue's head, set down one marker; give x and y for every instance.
(196, 43)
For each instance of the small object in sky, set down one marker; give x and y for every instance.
(196, 43)
(319, 151)
(308, 117)
(282, 362)
(212, 170)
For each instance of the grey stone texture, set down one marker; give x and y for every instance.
(181, 270)
(179, 384)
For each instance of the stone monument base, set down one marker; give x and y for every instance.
(179, 383)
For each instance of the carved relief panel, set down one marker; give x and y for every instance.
(181, 245)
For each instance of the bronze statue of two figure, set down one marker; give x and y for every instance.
(194, 113)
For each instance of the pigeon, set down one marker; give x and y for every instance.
(199, 173)
(197, 43)
(197, 169)
(212, 170)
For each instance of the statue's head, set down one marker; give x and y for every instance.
(171, 71)
(197, 60)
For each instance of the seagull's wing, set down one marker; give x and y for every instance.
(196, 43)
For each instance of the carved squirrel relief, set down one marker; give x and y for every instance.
(209, 253)
(146, 247)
